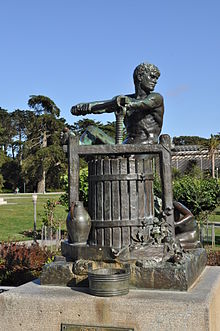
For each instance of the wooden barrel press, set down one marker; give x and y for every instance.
(120, 199)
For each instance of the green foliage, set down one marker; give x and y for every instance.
(17, 216)
(189, 140)
(1, 182)
(48, 217)
(197, 194)
(19, 263)
(176, 173)
(2, 157)
(83, 187)
(157, 186)
(193, 170)
(44, 155)
(80, 126)
(30, 146)
(212, 145)
(42, 104)
(7, 131)
(64, 200)
(11, 172)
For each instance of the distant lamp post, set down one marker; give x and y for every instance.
(34, 199)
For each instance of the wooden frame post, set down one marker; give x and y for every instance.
(73, 168)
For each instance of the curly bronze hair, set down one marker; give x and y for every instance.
(143, 68)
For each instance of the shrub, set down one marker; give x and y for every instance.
(197, 194)
(20, 264)
(48, 216)
(83, 188)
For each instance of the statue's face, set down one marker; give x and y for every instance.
(148, 81)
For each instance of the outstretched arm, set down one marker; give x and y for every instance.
(152, 101)
(99, 107)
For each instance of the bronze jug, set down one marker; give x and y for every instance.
(78, 224)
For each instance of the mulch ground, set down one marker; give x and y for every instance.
(213, 257)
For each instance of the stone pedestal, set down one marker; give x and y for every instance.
(34, 307)
(146, 271)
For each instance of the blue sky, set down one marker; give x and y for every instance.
(86, 50)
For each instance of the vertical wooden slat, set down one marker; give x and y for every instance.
(149, 199)
(124, 198)
(132, 196)
(92, 190)
(107, 203)
(213, 235)
(99, 201)
(116, 233)
(73, 169)
(166, 181)
(141, 190)
(92, 200)
(207, 232)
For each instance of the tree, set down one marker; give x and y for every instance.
(43, 148)
(20, 123)
(7, 131)
(189, 140)
(212, 145)
(198, 194)
(80, 126)
(11, 172)
(2, 158)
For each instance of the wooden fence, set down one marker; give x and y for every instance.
(51, 236)
(207, 227)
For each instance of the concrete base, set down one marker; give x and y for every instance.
(41, 308)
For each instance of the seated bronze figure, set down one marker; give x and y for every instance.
(186, 228)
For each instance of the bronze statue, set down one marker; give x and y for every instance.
(142, 111)
(186, 228)
(143, 118)
(124, 225)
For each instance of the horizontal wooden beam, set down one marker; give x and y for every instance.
(119, 149)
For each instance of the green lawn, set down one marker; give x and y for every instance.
(17, 215)
(215, 217)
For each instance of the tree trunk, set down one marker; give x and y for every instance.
(20, 149)
(13, 151)
(213, 165)
(41, 183)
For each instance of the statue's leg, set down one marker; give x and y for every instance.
(189, 239)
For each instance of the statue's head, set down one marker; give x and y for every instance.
(146, 76)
